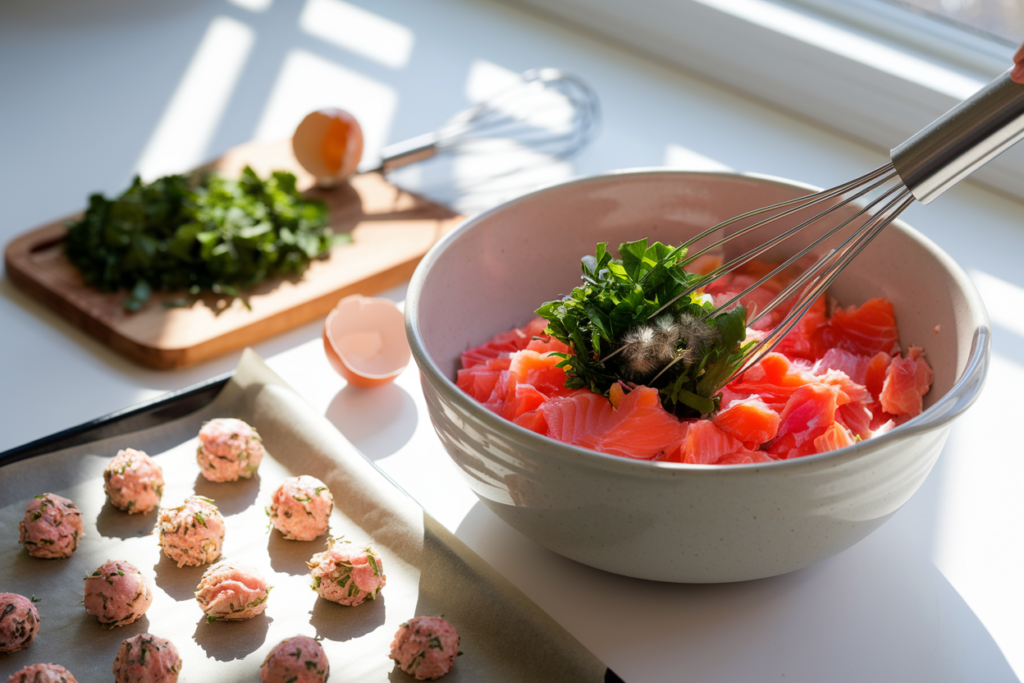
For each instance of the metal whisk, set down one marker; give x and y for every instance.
(922, 168)
(547, 111)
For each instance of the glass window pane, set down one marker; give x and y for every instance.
(1000, 19)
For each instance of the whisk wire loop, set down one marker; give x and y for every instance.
(874, 180)
(546, 111)
(819, 277)
(794, 286)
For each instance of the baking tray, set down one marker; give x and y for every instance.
(505, 637)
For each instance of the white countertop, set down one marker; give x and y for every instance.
(93, 92)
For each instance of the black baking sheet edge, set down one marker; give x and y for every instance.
(149, 414)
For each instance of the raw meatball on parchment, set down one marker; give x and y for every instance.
(19, 622)
(52, 527)
(232, 592)
(117, 593)
(192, 533)
(146, 658)
(42, 673)
(133, 481)
(425, 647)
(296, 660)
(346, 575)
(229, 449)
(301, 508)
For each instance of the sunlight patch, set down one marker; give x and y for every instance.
(182, 136)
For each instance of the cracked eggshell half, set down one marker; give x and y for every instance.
(365, 340)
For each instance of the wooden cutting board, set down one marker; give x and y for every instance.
(391, 231)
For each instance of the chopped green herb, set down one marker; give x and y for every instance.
(617, 332)
(258, 601)
(198, 233)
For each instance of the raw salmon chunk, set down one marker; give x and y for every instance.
(836, 436)
(868, 328)
(809, 413)
(505, 343)
(706, 444)
(639, 428)
(750, 421)
(906, 382)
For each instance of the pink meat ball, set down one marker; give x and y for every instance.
(301, 508)
(42, 673)
(52, 527)
(232, 592)
(191, 534)
(117, 593)
(146, 658)
(346, 575)
(133, 481)
(229, 449)
(425, 647)
(296, 660)
(19, 622)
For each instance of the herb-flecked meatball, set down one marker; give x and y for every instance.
(232, 592)
(133, 481)
(301, 508)
(146, 658)
(229, 450)
(193, 533)
(52, 527)
(117, 593)
(42, 673)
(425, 647)
(347, 575)
(296, 660)
(19, 622)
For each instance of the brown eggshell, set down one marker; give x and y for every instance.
(365, 342)
(329, 144)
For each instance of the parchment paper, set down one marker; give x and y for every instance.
(505, 637)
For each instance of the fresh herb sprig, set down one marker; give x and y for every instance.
(615, 330)
(198, 233)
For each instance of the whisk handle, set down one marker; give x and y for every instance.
(962, 140)
(406, 152)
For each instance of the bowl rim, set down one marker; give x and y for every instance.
(959, 398)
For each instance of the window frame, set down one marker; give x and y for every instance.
(868, 69)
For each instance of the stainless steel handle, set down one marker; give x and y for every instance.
(962, 140)
(406, 152)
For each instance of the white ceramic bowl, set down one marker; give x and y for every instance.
(667, 521)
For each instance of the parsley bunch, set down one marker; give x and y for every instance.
(613, 325)
(198, 233)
